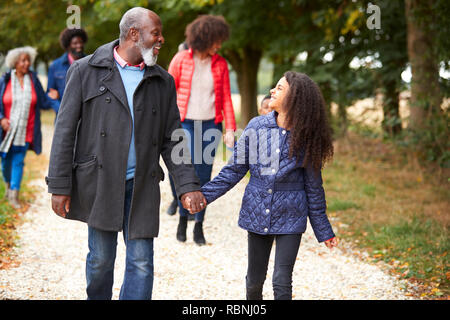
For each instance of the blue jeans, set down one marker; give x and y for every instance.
(201, 158)
(138, 279)
(12, 165)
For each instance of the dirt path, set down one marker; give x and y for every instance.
(52, 254)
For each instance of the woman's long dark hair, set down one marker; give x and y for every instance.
(307, 120)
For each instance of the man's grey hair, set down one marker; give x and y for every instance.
(133, 18)
(13, 55)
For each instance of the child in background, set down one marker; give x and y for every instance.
(264, 108)
(282, 194)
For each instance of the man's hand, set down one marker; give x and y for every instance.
(60, 204)
(333, 242)
(193, 201)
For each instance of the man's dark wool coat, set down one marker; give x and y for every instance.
(92, 137)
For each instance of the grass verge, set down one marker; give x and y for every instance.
(11, 218)
(393, 209)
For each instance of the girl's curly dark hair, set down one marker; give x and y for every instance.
(67, 34)
(206, 30)
(307, 119)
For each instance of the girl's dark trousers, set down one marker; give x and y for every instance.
(259, 247)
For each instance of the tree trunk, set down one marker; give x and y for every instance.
(342, 122)
(342, 119)
(327, 92)
(391, 123)
(246, 64)
(426, 97)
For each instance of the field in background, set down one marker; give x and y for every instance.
(393, 209)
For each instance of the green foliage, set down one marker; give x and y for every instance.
(22, 23)
(275, 31)
(420, 243)
(175, 15)
(369, 190)
(430, 142)
(341, 205)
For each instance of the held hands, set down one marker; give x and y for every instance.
(333, 242)
(193, 201)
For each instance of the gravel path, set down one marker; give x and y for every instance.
(52, 254)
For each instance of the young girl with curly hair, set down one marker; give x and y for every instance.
(285, 152)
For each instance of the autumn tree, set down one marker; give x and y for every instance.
(428, 45)
(426, 96)
(36, 23)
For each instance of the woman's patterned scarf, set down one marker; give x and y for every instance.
(20, 110)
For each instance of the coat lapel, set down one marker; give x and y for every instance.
(113, 81)
(103, 57)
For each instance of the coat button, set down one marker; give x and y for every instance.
(278, 150)
(153, 174)
(283, 132)
(154, 110)
(102, 88)
(266, 230)
(103, 134)
(269, 191)
(108, 99)
(273, 170)
(267, 210)
(100, 166)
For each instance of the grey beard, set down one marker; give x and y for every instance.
(147, 54)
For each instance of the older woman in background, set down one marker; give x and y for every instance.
(204, 100)
(21, 98)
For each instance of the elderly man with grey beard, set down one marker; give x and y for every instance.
(116, 119)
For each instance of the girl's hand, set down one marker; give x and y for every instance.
(186, 202)
(333, 242)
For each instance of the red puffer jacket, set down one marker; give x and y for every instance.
(182, 68)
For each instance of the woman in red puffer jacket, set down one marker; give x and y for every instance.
(204, 100)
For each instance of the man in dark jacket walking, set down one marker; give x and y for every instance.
(116, 118)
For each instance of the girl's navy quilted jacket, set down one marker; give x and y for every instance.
(281, 194)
